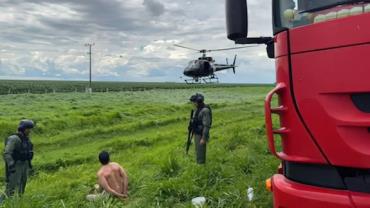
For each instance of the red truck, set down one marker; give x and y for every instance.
(321, 49)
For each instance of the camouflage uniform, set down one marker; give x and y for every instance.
(17, 155)
(202, 124)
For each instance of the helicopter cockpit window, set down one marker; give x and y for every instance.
(190, 64)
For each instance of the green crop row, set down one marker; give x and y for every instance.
(44, 87)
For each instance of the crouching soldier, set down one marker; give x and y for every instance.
(201, 124)
(18, 155)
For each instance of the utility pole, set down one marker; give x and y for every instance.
(90, 46)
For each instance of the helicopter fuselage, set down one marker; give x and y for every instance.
(199, 68)
(205, 67)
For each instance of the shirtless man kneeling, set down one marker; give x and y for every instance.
(112, 178)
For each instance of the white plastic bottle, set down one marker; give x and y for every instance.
(250, 193)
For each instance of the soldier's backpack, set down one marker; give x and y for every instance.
(210, 113)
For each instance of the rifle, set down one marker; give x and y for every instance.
(6, 173)
(190, 132)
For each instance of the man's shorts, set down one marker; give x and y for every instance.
(97, 194)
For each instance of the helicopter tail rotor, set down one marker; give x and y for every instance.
(234, 63)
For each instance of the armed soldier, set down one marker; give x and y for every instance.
(200, 126)
(18, 155)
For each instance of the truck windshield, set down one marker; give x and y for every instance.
(295, 13)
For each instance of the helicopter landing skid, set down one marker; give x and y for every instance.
(206, 80)
(193, 81)
(211, 80)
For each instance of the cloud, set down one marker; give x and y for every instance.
(154, 7)
(133, 39)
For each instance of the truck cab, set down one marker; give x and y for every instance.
(323, 89)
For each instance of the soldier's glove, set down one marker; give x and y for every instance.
(11, 168)
(30, 155)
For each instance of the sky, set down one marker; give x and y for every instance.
(45, 39)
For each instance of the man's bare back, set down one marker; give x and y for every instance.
(113, 179)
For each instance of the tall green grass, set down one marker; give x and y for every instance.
(145, 131)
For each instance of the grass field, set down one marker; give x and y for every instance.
(145, 131)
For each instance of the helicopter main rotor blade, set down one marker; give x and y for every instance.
(186, 47)
(225, 49)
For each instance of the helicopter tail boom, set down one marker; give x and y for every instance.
(220, 67)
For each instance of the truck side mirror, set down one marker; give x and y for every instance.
(236, 19)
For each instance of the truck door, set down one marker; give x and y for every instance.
(330, 75)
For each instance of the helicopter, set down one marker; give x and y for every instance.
(203, 69)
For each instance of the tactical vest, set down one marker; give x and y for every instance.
(197, 124)
(24, 151)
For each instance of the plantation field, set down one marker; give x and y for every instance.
(145, 131)
(44, 86)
